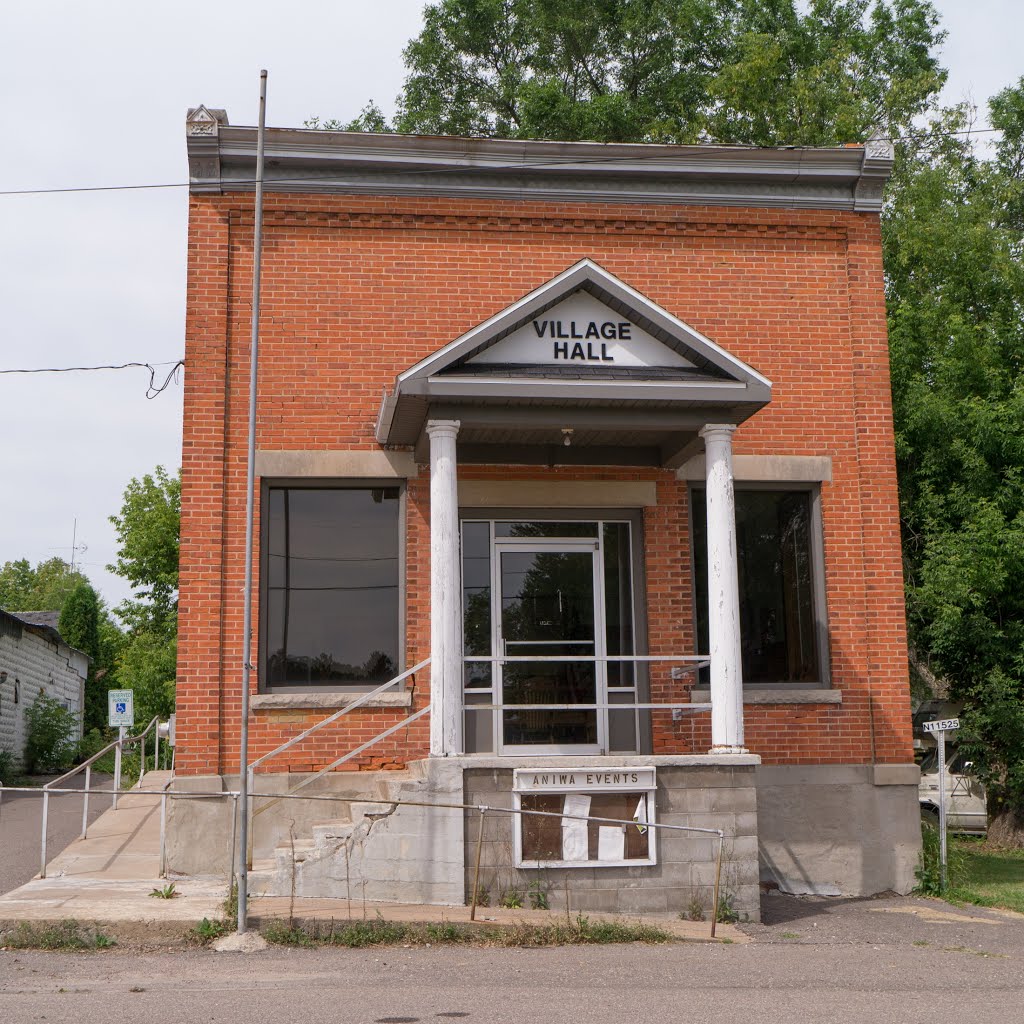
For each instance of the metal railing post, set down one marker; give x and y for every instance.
(142, 758)
(476, 869)
(85, 802)
(156, 748)
(163, 835)
(718, 881)
(42, 845)
(247, 810)
(117, 764)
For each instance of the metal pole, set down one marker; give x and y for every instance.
(718, 880)
(942, 807)
(476, 869)
(142, 759)
(250, 483)
(121, 730)
(42, 845)
(85, 802)
(163, 834)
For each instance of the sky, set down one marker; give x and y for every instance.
(95, 94)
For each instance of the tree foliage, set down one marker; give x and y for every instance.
(43, 588)
(765, 72)
(147, 532)
(955, 282)
(79, 625)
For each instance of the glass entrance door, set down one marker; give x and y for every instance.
(549, 605)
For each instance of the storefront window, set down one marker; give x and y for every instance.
(331, 586)
(778, 621)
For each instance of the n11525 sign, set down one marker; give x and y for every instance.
(942, 725)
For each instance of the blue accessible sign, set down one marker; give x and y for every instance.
(120, 707)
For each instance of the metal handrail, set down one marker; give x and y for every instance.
(362, 699)
(86, 766)
(358, 702)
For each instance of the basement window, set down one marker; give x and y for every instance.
(331, 587)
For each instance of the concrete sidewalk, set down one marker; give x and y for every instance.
(109, 878)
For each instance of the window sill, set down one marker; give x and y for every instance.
(325, 701)
(775, 695)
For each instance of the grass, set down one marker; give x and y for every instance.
(988, 878)
(358, 934)
(65, 935)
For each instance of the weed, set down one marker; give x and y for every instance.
(231, 903)
(512, 899)
(929, 869)
(356, 934)
(727, 913)
(206, 931)
(66, 934)
(168, 892)
(483, 897)
(447, 932)
(695, 911)
(921, 942)
(538, 895)
(791, 935)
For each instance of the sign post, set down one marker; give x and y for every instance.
(120, 713)
(940, 728)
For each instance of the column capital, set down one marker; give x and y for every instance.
(443, 428)
(717, 431)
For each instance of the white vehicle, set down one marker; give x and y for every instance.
(965, 795)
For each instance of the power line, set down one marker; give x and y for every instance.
(152, 390)
(409, 172)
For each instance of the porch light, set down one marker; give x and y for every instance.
(567, 436)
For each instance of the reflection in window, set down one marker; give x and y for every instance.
(332, 586)
(776, 584)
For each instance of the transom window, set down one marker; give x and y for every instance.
(781, 594)
(331, 594)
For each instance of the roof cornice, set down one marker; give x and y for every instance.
(222, 158)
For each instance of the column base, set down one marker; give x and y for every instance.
(726, 748)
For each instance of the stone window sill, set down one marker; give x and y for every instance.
(326, 701)
(775, 695)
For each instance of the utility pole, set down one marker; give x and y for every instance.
(250, 482)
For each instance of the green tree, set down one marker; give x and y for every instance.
(147, 532)
(43, 588)
(955, 283)
(767, 72)
(79, 625)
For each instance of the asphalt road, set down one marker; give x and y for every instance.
(21, 816)
(815, 962)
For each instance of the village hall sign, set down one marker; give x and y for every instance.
(580, 330)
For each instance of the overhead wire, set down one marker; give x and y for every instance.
(152, 390)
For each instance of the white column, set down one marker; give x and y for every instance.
(445, 592)
(723, 593)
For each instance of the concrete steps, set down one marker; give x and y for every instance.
(383, 849)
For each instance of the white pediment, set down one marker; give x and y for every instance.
(581, 330)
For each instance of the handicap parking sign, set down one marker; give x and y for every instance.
(120, 707)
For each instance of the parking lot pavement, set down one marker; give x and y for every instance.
(887, 921)
(21, 816)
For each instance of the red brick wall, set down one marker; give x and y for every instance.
(356, 289)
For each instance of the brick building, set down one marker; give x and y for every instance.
(604, 431)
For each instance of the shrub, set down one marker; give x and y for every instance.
(51, 743)
(6, 767)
